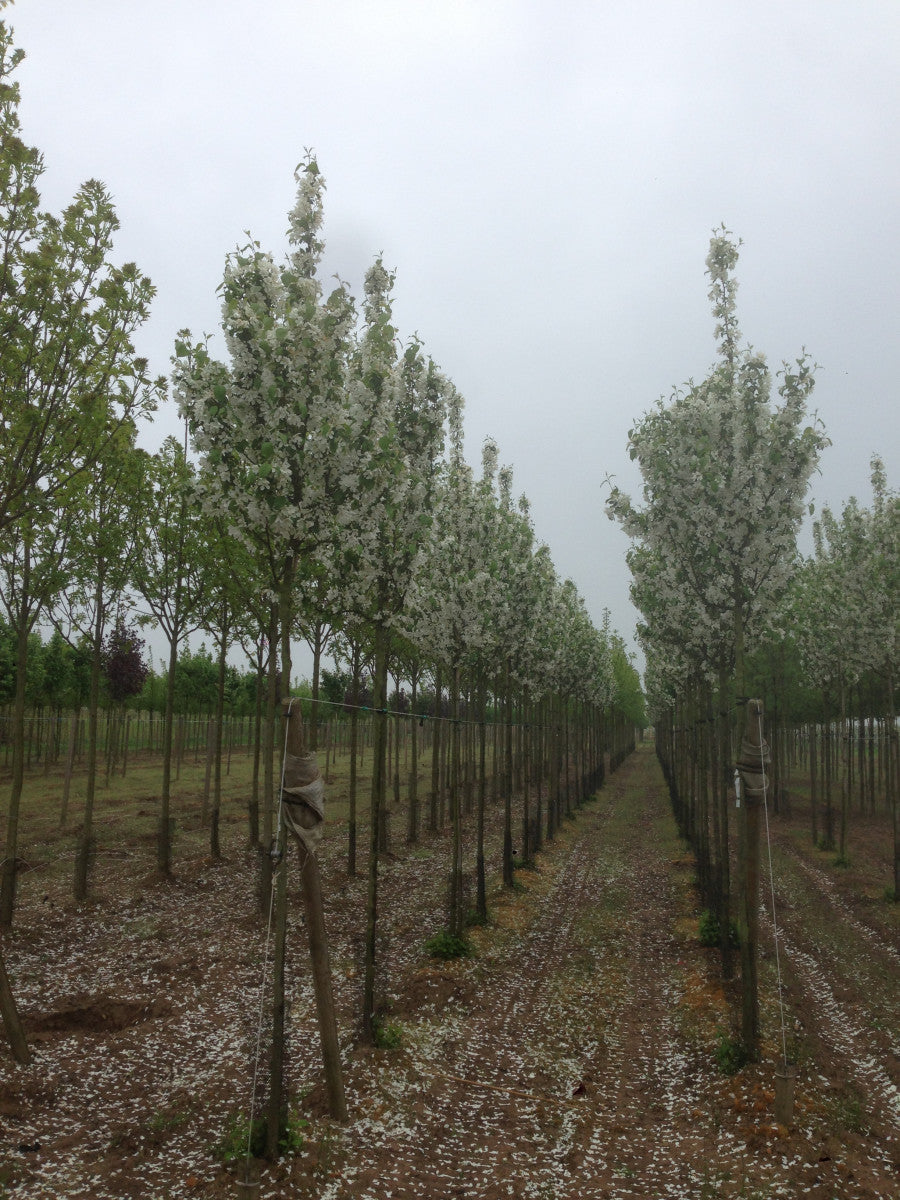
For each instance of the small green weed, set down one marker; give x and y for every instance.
(474, 919)
(841, 861)
(163, 1121)
(232, 1146)
(889, 895)
(386, 1035)
(708, 930)
(730, 1055)
(446, 945)
(847, 1112)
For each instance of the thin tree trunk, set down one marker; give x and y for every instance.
(164, 831)
(435, 755)
(24, 624)
(412, 828)
(378, 790)
(277, 1102)
(253, 803)
(456, 913)
(11, 1021)
(218, 729)
(84, 850)
(481, 882)
(354, 744)
(70, 766)
(508, 876)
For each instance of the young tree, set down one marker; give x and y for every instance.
(68, 372)
(33, 568)
(447, 610)
(277, 437)
(725, 474)
(168, 572)
(401, 405)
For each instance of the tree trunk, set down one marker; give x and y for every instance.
(253, 802)
(164, 831)
(277, 1103)
(84, 850)
(456, 914)
(268, 802)
(412, 827)
(508, 876)
(435, 755)
(11, 1021)
(354, 744)
(317, 668)
(218, 729)
(378, 792)
(481, 883)
(9, 880)
(70, 766)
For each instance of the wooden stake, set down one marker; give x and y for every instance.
(311, 881)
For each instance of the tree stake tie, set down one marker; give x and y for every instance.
(250, 1185)
(784, 1074)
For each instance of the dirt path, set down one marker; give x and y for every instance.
(585, 1034)
(572, 1057)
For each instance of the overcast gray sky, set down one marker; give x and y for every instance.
(543, 175)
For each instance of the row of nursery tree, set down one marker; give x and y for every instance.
(323, 492)
(731, 610)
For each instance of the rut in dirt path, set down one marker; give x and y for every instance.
(843, 980)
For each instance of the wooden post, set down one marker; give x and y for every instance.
(70, 765)
(303, 822)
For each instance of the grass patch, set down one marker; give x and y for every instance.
(387, 1035)
(846, 1111)
(446, 945)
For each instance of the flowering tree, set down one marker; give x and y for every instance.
(844, 615)
(448, 606)
(725, 474)
(400, 404)
(274, 428)
(514, 605)
(279, 440)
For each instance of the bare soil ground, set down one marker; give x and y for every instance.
(572, 1056)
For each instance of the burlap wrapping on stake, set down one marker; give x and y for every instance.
(754, 753)
(303, 795)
